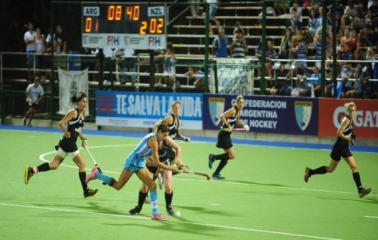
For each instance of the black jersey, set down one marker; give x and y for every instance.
(341, 147)
(173, 128)
(74, 128)
(231, 120)
(348, 131)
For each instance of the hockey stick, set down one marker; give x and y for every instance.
(197, 173)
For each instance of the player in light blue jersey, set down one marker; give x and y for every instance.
(135, 163)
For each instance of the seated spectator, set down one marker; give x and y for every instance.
(196, 78)
(299, 88)
(281, 83)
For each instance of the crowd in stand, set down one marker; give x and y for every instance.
(356, 39)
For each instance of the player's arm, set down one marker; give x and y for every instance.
(153, 144)
(227, 114)
(180, 163)
(341, 129)
(62, 123)
(179, 135)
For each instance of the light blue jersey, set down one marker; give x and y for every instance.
(136, 159)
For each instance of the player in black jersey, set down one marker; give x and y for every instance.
(74, 120)
(169, 153)
(341, 148)
(229, 120)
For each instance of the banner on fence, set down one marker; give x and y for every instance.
(266, 114)
(234, 76)
(144, 109)
(70, 84)
(332, 111)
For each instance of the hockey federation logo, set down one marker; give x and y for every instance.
(216, 108)
(303, 110)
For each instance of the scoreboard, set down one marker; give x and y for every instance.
(120, 25)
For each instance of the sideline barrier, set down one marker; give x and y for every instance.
(332, 112)
(285, 115)
(144, 109)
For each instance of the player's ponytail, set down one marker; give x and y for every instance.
(163, 128)
(76, 99)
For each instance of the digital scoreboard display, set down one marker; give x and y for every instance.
(119, 25)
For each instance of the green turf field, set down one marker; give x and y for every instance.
(263, 197)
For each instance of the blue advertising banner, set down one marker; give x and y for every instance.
(286, 115)
(144, 109)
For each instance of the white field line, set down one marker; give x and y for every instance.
(170, 221)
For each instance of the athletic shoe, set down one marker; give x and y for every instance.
(211, 160)
(158, 217)
(307, 174)
(135, 210)
(170, 211)
(363, 192)
(218, 177)
(28, 174)
(91, 176)
(90, 193)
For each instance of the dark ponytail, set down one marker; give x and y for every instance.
(76, 99)
(163, 128)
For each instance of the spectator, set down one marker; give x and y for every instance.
(170, 68)
(220, 43)
(281, 83)
(34, 95)
(196, 78)
(40, 41)
(314, 22)
(313, 82)
(127, 63)
(195, 7)
(286, 42)
(270, 55)
(299, 88)
(159, 67)
(213, 5)
(301, 50)
(59, 40)
(239, 46)
(355, 87)
(29, 39)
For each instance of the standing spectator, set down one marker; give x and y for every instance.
(239, 46)
(39, 41)
(34, 94)
(57, 42)
(40, 47)
(301, 51)
(285, 48)
(270, 55)
(170, 67)
(60, 41)
(29, 39)
(195, 7)
(314, 22)
(127, 64)
(313, 82)
(220, 43)
(159, 67)
(213, 5)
